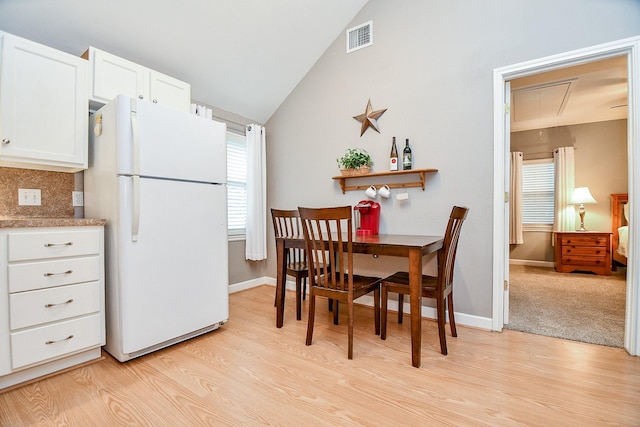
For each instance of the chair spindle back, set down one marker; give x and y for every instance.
(325, 230)
(286, 223)
(447, 255)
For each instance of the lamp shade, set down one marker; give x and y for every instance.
(582, 195)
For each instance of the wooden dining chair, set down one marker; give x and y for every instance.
(439, 288)
(286, 223)
(328, 235)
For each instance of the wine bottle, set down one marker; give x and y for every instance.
(393, 157)
(406, 157)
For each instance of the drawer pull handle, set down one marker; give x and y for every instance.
(49, 245)
(63, 339)
(60, 303)
(57, 274)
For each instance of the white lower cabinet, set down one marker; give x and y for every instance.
(52, 300)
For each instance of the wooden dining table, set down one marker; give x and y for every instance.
(408, 246)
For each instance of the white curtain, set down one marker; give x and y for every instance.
(516, 236)
(256, 237)
(565, 213)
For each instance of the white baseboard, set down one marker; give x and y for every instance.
(253, 283)
(48, 368)
(532, 263)
(427, 312)
(430, 313)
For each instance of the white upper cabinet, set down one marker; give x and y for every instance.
(169, 91)
(111, 75)
(43, 107)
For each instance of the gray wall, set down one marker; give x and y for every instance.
(600, 163)
(241, 270)
(431, 66)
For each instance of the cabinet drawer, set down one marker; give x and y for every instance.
(46, 342)
(49, 305)
(595, 251)
(584, 261)
(52, 244)
(45, 274)
(584, 241)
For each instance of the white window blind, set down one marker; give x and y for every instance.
(538, 192)
(236, 184)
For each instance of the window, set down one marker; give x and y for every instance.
(236, 185)
(538, 194)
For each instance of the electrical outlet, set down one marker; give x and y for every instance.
(29, 197)
(77, 198)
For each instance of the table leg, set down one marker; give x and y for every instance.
(415, 295)
(280, 282)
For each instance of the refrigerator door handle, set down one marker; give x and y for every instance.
(135, 221)
(135, 224)
(136, 137)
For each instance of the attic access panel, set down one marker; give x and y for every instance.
(359, 36)
(547, 100)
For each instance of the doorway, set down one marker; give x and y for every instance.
(630, 48)
(583, 107)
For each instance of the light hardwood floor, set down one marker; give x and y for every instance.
(251, 373)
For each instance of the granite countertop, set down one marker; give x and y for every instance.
(24, 222)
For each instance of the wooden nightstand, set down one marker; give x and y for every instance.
(583, 251)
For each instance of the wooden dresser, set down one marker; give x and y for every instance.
(583, 251)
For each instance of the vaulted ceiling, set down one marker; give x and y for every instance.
(243, 56)
(246, 56)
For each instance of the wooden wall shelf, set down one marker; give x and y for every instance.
(411, 182)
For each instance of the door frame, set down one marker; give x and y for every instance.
(501, 76)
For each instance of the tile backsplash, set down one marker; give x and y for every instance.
(56, 189)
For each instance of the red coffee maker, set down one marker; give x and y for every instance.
(367, 217)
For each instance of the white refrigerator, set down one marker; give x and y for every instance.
(158, 177)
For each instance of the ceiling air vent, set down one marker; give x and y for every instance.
(360, 36)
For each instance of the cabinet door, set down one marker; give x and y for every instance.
(113, 76)
(43, 107)
(168, 91)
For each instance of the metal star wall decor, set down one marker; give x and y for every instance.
(369, 118)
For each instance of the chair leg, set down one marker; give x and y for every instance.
(452, 317)
(383, 315)
(376, 309)
(330, 307)
(298, 298)
(304, 288)
(312, 313)
(400, 308)
(350, 329)
(441, 325)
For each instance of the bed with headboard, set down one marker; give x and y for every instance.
(619, 227)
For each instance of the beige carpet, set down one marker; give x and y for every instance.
(576, 306)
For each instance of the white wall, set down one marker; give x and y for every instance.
(431, 66)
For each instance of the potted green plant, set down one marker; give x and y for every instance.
(355, 161)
